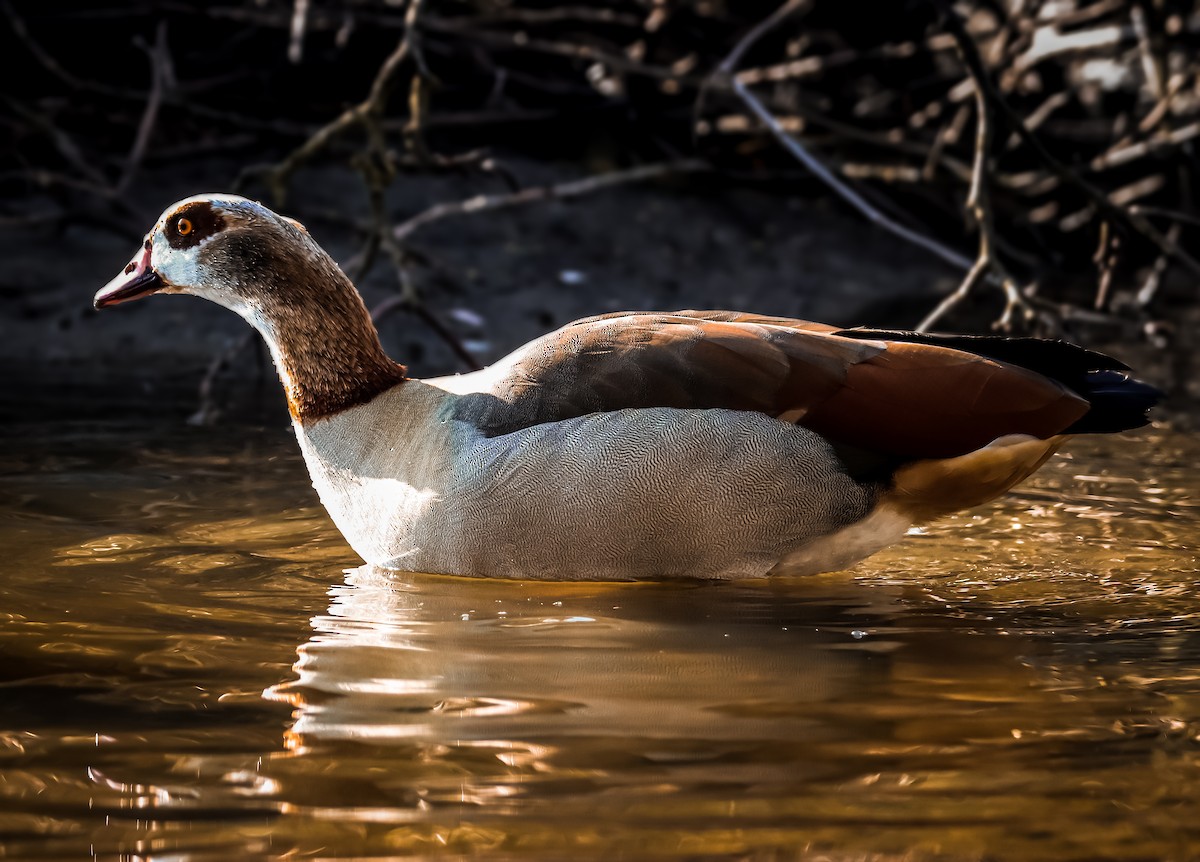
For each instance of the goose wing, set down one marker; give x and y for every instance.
(897, 398)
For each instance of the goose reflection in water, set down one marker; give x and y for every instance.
(537, 698)
(676, 708)
(432, 693)
(403, 657)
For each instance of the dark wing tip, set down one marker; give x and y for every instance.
(1118, 402)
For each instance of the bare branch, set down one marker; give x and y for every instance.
(1149, 288)
(843, 190)
(158, 77)
(570, 189)
(409, 300)
(761, 29)
(366, 112)
(979, 206)
(724, 75)
(1104, 207)
(299, 23)
(208, 411)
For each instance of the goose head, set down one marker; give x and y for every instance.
(224, 248)
(266, 268)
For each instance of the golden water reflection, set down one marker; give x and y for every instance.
(189, 672)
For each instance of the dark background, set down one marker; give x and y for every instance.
(111, 111)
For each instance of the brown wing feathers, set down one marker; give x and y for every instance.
(904, 398)
(660, 360)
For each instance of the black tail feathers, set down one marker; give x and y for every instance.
(1118, 401)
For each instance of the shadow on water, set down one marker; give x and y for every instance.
(188, 672)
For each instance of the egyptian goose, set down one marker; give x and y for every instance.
(707, 444)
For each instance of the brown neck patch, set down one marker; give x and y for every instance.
(317, 388)
(329, 354)
(325, 345)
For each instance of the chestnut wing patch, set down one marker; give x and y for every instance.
(922, 401)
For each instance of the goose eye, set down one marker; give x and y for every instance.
(183, 227)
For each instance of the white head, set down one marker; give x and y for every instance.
(223, 248)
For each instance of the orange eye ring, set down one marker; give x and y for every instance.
(183, 227)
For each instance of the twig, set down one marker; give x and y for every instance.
(51, 65)
(1104, 206)
(366, 113)
(977, 271)
(96, 183)
(409, 300)
(414, 129)
(1149, 288)
(422, 311)
(379, 228)
(1040, 114)
(379, 235)
(947, 134)
(1062, 138)
(978, 205)
(930, 154)
(1174, 215)
(296, 38)
(1123, 154)
(1162, 108)
(418, 308)
(1105, 260)
(280, 127)
(158, 75)
(208, 411)
(66, 146)
(571, 50)
(562, 14)
(759, 30)
(724, 74)
(823, 63)
(844, 191)
(569, 189)
(1151, 67)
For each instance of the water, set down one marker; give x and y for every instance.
(189, 672)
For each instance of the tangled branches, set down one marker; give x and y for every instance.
(1076, 187)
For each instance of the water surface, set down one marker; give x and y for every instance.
(193, 669)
